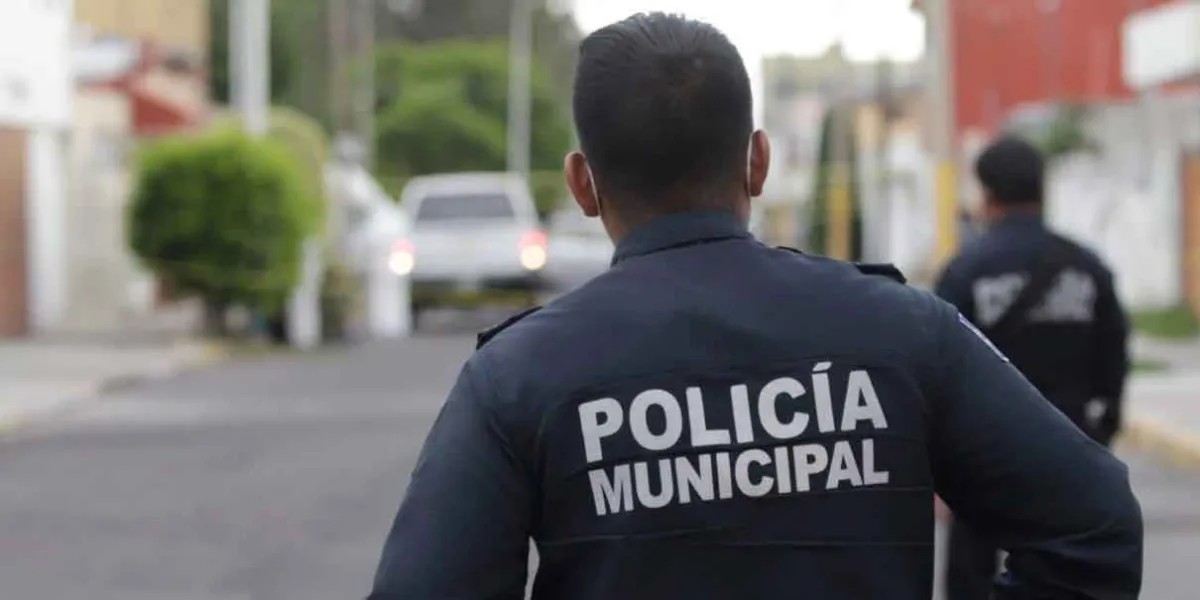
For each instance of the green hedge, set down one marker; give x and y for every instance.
(222, 217)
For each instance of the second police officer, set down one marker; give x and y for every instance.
(1050, 306)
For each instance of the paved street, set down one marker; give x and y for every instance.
(268, 480)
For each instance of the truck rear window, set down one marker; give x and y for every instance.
(465, 207)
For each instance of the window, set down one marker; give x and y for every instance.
(465, 207)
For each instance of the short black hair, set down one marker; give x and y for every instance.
(1012, 171)
(662, 104)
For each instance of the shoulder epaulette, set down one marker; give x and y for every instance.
(486, 336)
(884, 269)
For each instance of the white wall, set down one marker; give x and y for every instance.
(106, 291)
(1125, 202)
(45, 220)
(906, 215)
(36, 75)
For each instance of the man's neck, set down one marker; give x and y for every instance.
(997, 214)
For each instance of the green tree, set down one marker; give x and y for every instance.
(818, 215)
(221, 217)
(556, 35)
(444, 108)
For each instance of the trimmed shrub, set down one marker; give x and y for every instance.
(222, 217)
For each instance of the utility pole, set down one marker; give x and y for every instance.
(250, 55)
(884, 99)
(250, 31)
(364, 101)
(839, 214)
(520, 94)
(939, 60)
(338, 20)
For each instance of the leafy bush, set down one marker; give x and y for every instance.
(444, 108)
(306, 143)
(222, 217)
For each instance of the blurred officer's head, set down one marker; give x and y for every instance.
(665, 120)
(1011, 172)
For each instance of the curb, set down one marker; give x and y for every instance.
(14, 421)
(202, 354)
(1160, 438)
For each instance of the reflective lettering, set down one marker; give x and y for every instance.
(640, 427)
(595, 428)
(768, 409)
(742, 473)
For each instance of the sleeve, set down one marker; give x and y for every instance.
(954, 286)
(463, 528)
(1112, 356)
(1015, 468)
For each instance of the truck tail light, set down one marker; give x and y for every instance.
(403, 258)
(532, 250)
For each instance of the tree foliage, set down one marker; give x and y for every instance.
(818, 237)
(221, 217)
(307, 145)
(556, 35)
(443, 107)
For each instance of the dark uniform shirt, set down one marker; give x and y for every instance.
(1072, 343)
(714, 418)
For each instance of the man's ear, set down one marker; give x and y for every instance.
(760, 162)
(579, 182)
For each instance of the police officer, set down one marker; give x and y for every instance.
(1049, 305)
(714, 418)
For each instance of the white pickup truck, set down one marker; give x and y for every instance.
(471, 232)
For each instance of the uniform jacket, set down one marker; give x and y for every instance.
(1072, 345)
(716, 419)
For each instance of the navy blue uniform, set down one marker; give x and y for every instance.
(1072, 344)
(713, 418)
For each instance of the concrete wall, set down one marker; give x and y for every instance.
(106, 288)
(1126, 201)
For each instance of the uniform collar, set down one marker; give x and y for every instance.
(680, 229)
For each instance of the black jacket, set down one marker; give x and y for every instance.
(714, 418)
(1072, 344)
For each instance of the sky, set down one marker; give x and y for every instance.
(867, 28)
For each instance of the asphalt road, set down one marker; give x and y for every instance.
(276, 480)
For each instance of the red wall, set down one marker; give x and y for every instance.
(1009, 52)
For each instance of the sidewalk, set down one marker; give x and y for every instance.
(1162, 413)
(40, 378)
